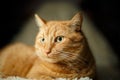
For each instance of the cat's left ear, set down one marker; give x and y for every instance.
(76, 22)
(40, 22)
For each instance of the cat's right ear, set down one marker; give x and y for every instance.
(39, 21)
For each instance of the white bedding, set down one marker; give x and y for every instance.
(19, 78)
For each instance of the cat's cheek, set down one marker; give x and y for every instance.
(41, 56)
(59, 47)
(64, 57)
(38, 53)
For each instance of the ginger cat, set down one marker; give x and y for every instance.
(60, 51)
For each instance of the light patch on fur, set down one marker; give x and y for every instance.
(83, 78)
(15, 78)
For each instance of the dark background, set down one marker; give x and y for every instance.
(104, 14)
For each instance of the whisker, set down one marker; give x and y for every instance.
(71, 58)
(62, 51)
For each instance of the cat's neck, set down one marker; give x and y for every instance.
(65, 68)
(55, 67)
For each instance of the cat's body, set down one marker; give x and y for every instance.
(16, 59)
(61, 51)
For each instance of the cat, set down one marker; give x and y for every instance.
(61, 51)
(104, 55)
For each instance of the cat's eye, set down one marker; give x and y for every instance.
(59, 38)
(42, 39)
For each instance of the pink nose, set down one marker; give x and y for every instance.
(47, 52)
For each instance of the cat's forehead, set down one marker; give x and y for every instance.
(57, 23)
(55, 28)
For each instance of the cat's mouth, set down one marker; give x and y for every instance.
(51, 57)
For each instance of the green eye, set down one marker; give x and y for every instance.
(59, 39)
(42, 40)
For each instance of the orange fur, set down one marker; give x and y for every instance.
(61, 50)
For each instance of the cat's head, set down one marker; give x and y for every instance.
(59, 40)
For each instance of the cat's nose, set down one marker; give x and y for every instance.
(47, 52)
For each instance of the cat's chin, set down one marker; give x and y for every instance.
(50, 60)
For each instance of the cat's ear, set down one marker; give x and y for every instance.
(39, 21)
(76, 22)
